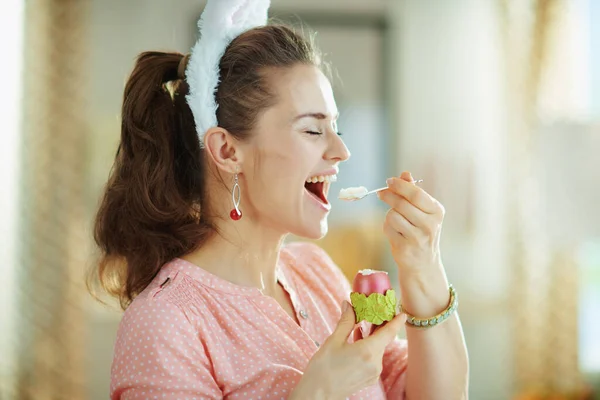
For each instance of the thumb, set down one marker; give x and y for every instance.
(346, 324)
(387, 333)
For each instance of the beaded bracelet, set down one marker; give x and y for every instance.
(433, 321)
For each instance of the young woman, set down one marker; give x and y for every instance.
(191, 227)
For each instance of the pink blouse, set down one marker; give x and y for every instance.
(193, 335)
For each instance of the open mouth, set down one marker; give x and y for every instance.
(317, 190)
(318, 186)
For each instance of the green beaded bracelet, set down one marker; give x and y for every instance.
(433, 321)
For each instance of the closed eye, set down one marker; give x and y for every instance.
(320, 133)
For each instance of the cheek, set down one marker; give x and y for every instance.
(273, 175)
(281, 161)
(279, 169)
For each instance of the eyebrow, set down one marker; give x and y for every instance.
(317, 115)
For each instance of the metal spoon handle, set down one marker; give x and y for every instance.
(385, 187)
(376, 190)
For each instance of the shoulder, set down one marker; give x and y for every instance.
(154, 317)
(159, 334)
(156, 330)
(161, 311)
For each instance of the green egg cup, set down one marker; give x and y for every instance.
(376, 308)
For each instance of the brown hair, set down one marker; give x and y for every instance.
(154, 204)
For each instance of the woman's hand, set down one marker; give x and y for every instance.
(413, 226)
(339, 369)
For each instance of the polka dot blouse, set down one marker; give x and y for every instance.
(193, 335)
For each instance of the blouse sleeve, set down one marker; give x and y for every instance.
(159, 355)
(395, 358)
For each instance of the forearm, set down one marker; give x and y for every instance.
(438, 366)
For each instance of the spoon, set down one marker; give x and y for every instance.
(358, 193)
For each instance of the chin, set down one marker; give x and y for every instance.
(313, 232)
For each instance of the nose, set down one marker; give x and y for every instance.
(337, 150)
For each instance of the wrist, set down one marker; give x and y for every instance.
(306, 389)
(424, 294)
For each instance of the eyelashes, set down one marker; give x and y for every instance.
(320, 133)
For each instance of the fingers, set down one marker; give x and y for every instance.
(396, 238)
(345, 325)
(394, 327)
(400, 223)
(385, 334)
(413, 214)
(414, 194)
(407, 176)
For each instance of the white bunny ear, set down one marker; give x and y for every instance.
(220, 23)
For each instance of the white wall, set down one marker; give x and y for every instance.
(594, 18)
(11, 26)
(450, 113)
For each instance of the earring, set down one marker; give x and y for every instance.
(236, 213)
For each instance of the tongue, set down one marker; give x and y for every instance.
(317, 190)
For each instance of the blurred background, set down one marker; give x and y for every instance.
(494, 103)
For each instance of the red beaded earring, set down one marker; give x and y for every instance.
(236, 213)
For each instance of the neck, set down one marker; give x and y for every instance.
(242, 253)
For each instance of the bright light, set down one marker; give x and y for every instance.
(11, 30)
(589, 301)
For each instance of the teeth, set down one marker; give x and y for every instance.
(322, 178)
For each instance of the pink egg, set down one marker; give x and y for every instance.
(369, 281)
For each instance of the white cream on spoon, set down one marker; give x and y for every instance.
(353, 193)
(357, 193)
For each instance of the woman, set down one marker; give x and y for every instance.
(192, 224)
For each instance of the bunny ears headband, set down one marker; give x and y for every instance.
(220, 23)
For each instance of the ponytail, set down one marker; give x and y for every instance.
(150, 211)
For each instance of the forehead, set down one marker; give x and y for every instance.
(303, 89)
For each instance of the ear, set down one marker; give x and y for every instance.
(223, 149)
